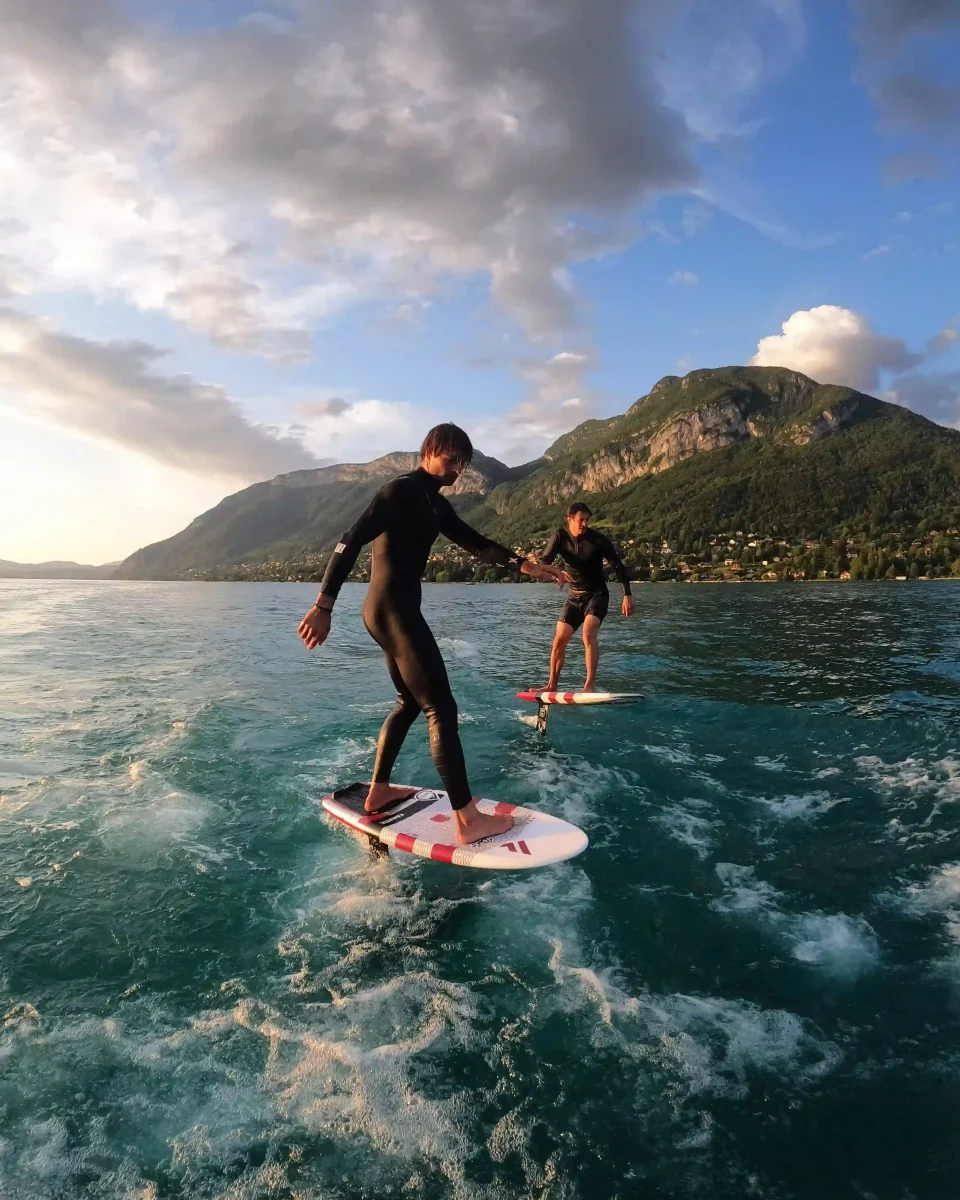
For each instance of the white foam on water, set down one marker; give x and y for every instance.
(672, 754)
(685, 823)
(770, 764)
(743, 892)
(839, 945)
(940, 892)
(351, 757)
(375, 910)
(916, 793)
(199, 1092)
(801, 807)
(722, 1042)
(511, 1136)
(144, 826)
(678, 1046)
(460, 647)
(709, 781)
(914, 776)
(702, 1044)
(20, 1021)
(950, 965)
(570, 788)
(937, 895)
(347, 1070)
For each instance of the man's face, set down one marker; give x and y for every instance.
(448, 468)
(578, 523)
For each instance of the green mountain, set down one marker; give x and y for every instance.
(294, 515)
(54, 570)
(750, 448)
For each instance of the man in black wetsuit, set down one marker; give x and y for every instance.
(583, 550)
(403, 521)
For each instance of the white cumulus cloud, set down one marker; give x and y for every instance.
(837, 345)
(834, 345)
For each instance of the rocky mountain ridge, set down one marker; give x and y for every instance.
(737, 447)
(681, 417)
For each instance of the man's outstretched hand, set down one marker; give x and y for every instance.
(314, 627)
(627, 606)
(543, 573)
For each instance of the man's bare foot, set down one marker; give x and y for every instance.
(589, 687)
(382, 795)
(474, 825)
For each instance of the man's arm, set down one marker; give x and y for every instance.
(369, 525)
(461, 534)
(614, 559)
(315, 626)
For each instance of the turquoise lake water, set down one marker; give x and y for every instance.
(748, 986)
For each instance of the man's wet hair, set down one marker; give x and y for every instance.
(448, 439)
(579, 507)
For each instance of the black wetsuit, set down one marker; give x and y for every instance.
(403, 521)
(584, 557)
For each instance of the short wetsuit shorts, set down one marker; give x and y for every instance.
(581, 605)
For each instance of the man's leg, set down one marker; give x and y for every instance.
(423, 673)
(558, 653)
(392, 733)
(591, 627)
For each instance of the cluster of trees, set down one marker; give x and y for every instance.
(687, 556)
(750, 556)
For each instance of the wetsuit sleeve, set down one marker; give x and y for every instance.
(462, 534)
(614, 559)
(370, 524)
(553, 548)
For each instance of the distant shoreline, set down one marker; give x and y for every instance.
(479, 583)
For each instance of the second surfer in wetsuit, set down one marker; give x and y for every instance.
(584, 551)
(402, 521)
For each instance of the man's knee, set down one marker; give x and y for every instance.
(407, 706)
(441, 712)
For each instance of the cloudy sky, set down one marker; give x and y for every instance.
(239, 239)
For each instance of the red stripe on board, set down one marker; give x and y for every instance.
(500, 809)
(405, 842)
(442, 853)
(524, 847)
(568, 697)
(511, 846)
